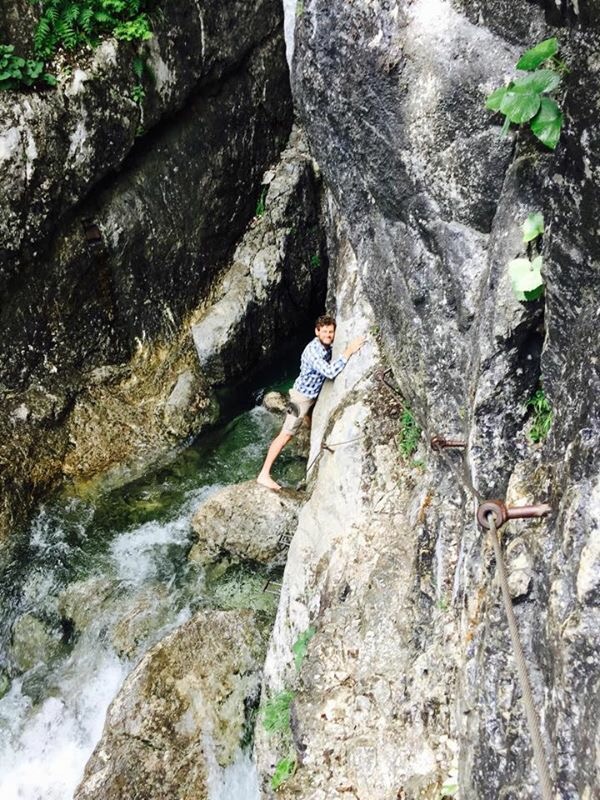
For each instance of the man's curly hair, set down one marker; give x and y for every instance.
(325, 319)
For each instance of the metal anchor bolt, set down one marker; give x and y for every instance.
(502, 513)
(438, 443)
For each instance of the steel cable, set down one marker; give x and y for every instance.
(530, 710)
(522, 673)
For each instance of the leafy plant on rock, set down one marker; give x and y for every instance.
(69, 25)
(525, 275)
(16, 71)
(526, 100)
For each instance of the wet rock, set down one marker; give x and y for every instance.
(147, 612)
(82, 602)
(18, 19)
(180, 403)
(182, 708)
(4, 683)
(245, 522)
(32, 643)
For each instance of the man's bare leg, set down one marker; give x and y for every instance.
(277, 445)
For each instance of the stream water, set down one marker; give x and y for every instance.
(116, 564)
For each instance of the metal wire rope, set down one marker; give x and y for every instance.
(521, 664)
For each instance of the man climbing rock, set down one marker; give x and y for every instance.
(315, 368)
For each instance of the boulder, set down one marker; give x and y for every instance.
(182, 708)
(32, 642)
(275, 401)
(81, 602)
(245, 522)
(144, 615)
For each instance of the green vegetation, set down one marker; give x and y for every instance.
(71, 24)
(300, 648)
(140, 68)
(276, 713)
(525, 98)
(409, 435)
(315, 261)
(261, 204)
(449, 790)
(533, 226)
(542, 416)
(276, 719)
(16, 71)
(283, 770)
(525, 275)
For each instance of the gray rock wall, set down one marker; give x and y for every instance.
(96, 362)
(392, 98)
(66, 301)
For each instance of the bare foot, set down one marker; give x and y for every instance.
(267, 480)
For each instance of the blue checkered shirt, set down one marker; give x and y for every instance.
(315, 366)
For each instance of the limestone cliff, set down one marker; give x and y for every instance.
(118, 218)
(409, 687)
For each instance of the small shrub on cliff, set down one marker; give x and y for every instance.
(300, 647)
(284, 770)
(542, 416)
(525, 99)
(276, 713)
(409, 435)
(261, 202)
(68, 25)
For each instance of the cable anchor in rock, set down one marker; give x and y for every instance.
(438, 443)
(502, 513)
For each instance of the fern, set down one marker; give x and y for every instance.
(69, 24)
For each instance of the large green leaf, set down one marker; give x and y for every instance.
(533, 226)
(526, 278)
(547, 123)
(521, 101)
(519, 106)
(540, 81)
(538, 54)
(494, 99)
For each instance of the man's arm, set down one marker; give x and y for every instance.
(333, 369)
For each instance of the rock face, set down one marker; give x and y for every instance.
(97, 368)
(180, 710)
(277, 278)
(245, 522)
(426, 206)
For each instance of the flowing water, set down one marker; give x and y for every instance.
(96, 581)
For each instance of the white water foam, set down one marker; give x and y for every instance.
(44, 749)
(238, 781)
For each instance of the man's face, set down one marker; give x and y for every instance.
(326, 334)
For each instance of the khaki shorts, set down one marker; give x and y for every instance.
(302, 405)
